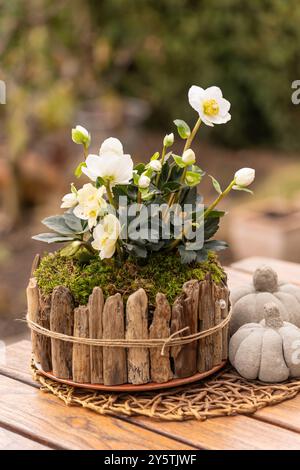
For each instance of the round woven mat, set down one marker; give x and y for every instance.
(224, 394)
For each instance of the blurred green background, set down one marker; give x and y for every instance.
(124, 68)
(54, 54)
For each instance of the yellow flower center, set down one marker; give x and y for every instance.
(211, 107)
(92, 213)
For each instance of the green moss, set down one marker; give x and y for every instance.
(163, 273)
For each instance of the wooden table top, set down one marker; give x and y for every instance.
(31, 419)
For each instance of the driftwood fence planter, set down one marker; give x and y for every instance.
(201, 306)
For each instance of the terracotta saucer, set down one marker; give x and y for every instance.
(134, 388)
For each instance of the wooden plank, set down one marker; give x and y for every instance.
(96, 304)
(286, 270)
(81, 365)
(48, 420)
(234, 433)
(238, 432)
(114, 359)
(12, 441)
(285, 414)
(62, 321)
(138, 361)
(160, 328)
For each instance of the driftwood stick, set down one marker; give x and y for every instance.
(32, 293)
(160, 328)
(137, 328)
(206, 320)
(217, 337)
(225, 331)
(35, 264)
(81, 352)
(96, 304)
(44, 343)
(62, 321)
(114, 359)
(185, 314)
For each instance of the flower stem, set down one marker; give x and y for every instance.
(176, 242)
(190, 139)
(219, 198)
(110, 196)
(162, 160)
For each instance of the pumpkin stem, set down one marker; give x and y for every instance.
(265, 279)
(272, 316)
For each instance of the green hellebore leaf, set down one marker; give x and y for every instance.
(52, 238)
(78, 171)
(136, 178)
(140, 168)
(242, 188)
(99, 182)
(178, 161)
(183, 128)
(216, 184)
(155, 156)
(186, 256)
(58, 224)
(192, 178)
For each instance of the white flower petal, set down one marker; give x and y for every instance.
(108, 250)
(220, 119)
(224, 106)
(213, 92)
(112, 145)
(195, 97)
(80, 212)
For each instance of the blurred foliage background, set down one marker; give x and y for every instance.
(56, 53)
(123, 68)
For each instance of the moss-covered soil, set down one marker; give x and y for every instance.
(162, 273)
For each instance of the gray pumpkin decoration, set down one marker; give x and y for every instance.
(248, 301)
(269, 350)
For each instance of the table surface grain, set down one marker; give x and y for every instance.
(33, 420)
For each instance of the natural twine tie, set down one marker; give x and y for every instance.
(171, 341)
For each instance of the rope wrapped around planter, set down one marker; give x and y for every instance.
(171, 341)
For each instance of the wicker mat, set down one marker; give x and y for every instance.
(224, 394)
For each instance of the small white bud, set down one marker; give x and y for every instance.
(169, 140)
(80, 135)
(189, 157)
(144, 182)
(155, 165)
(244, 177)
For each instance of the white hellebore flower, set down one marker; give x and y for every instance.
(111, 164)
(106, 235)
(189, 157)
(69, 200)
(80, 135)
(90, 204)
(169, 140)
(144, 181)
(155, 165)
(244, 177)
(210, 105)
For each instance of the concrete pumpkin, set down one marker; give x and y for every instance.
(248, 301)
(269, 350)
